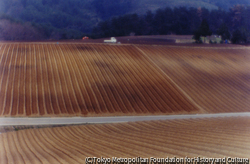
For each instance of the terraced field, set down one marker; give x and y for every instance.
(216, 78)
(207, 137)
(48, 79)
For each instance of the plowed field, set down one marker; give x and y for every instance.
(217, 79)
(76, 79)
(48, 79)
(208, 137)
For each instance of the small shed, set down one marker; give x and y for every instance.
(112, 40)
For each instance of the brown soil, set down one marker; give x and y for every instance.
(47, 79)
(86, 79)
(207, 137)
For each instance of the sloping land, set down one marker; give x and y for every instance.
(207, 137)
(75, 79)
(216, 78)
(49, 79)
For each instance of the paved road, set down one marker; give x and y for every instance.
(81, 120)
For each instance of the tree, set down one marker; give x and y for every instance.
(110, 8)
(181, 24)
(223, 31)
(149, 22)
(203, 30)
(239, 36)
(237, 13)
(197, 36)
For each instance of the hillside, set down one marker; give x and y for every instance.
(142, 6)
(85, 80)
(207, 137)
(14, 30)
(77, 79)
(145, 5)
(61, 16)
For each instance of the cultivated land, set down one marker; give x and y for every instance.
(217, 78)
(76, 79)
(47, 79)
(207, 137)
(79, 79)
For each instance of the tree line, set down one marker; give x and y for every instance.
(73, 19)
(233, 24)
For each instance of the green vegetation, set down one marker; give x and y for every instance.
(203, 30)
(223, 31)
(181, 21)
(12, 29)
(66, 19)
(144, 5)
(57, 19)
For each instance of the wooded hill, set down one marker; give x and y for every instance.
(63, 19)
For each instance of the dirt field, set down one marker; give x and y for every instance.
(84, 79)
(87, 79)
(76, 79)
(214, 137)
(217, 79)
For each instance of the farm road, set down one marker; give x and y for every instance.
(93, 120)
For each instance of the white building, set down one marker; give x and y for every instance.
(112, 40)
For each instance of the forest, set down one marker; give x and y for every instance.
(72, 19)
(233, 24)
